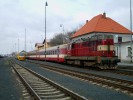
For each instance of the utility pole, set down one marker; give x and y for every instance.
(18, 45)
(46, 4)
(61, 25)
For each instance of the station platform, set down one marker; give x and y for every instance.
(123, 64)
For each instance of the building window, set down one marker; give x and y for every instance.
(119, 39)
(117, 51)
(129, 51)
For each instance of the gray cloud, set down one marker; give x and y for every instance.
(16, 15)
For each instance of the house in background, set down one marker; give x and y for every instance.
(39, 46)
(101, 24)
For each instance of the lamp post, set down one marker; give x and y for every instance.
(131, 25)
(25, 39)
(46, 4)
(31, 45)
(15, 47)
(61, 25)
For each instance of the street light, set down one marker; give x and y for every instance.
(61, 25)
(31, 45)
(18, 45)
(46, 4)
(131, 25)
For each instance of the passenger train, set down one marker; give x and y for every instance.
(97, 51)
(21, 55)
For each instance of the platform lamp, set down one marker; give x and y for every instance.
(46, 4)
(131, 26)
(61, 25)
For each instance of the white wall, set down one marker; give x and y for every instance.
(122, 51)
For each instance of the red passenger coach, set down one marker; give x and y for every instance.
(32, 55)
(55, 53)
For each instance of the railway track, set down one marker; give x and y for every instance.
(42, 88)
(121, 71)
(124, 86)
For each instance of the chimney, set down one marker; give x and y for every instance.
(86, 21)
(104, 14)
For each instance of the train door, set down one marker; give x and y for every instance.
(108, 49)
(38, 55)
(73, 50)
(69, 49)
(58, 53)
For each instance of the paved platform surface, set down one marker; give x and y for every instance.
(125, 64)
(8, 85)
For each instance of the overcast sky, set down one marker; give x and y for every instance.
(16, 15)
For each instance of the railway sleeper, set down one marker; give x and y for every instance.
(42, 85)
(49, 93)
(62, 95)
(50, 90)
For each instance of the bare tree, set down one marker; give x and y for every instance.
(63, 38)
(56, 40)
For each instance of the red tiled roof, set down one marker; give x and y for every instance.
(101, 23)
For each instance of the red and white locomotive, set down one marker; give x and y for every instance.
(92, 50)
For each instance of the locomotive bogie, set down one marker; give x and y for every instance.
(107, 62)
(97, 61)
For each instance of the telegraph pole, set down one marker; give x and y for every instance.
(61, 25)
(25, 39)
(18, 45)
(46, 4)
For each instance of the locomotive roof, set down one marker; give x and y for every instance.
(102, 24)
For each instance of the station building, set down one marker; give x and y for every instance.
(101, 24)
